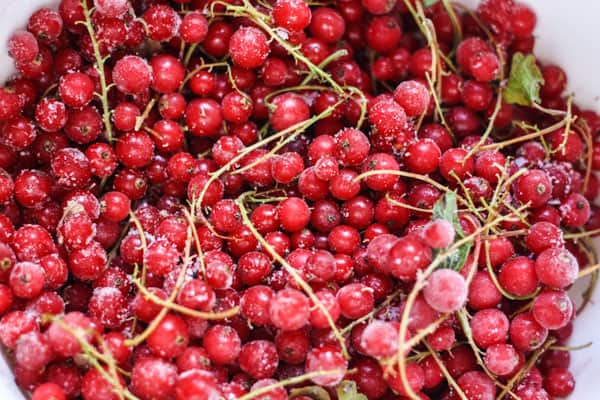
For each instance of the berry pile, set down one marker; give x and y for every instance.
(246, 199)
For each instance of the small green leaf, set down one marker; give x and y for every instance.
(446, 208)
(346, 390)
(314, 392)
(524, 81)
(429, 3)
(457, 259)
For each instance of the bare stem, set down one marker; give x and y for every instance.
(100, 60)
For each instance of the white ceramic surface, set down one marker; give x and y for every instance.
(567, 34)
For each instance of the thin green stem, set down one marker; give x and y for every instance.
(100, 61)
(293, 272)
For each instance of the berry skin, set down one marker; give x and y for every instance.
(162, 22)
(294, 214)
(501, 359)
(170, 338)
(453, 165)
(132, 75)
(559, 382)
(255, 304)
(526, 334)
(23, 46)
(446, 290)
(153, 378)
(167, 73)
(222, 344)
(326, 358)
(415, 377)
(407, 257)
(194, 27)
(327, 25)
(383, 33)
(248, 47)
(290, 109)
(489, 327)
(94, 386)
(575, 210)
(413, 96)
(523, 21)
(111, 8)
(76, 89)
(556, 267)
(477, 385)
(484, 66)
(115, 206)
(289, 310)
(48, 391)
(292, 346)
(422, 156)
(51, 115)
(389, 121)
(380, 161)
(534, 187)
(518, 276)
(259, 359)
(543, 235)
(293, 15)
(552, 309)
(203, 117)
(380, 339)
(27, 279)
(63, 343)
(355, 300)
(438, 234)
(196, 384)
(329, 301)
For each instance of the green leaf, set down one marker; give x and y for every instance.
(429, 3)
(524, 81)
(446, 208)
(457, 259)
(314, 392)
(346, 390)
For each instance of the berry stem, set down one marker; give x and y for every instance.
(456, 25)
(286, 382)
(492, 273)
(530, 363)
(294, 130)
(186, 261)
(100, 61)
(330, 58)
(144, 243)
(442, 367)
(410, 175)
(184, 310)
(526, 138)
(92, 356)
(589, 249)
(139, 121)
(292, 271)
(261, 20)
(463, 318)
(420, 283)
(348, 328)
(589, 270)
(572, 348)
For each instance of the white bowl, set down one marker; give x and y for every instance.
(566, 33)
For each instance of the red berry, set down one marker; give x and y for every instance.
(248, 47)
(293, 15)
